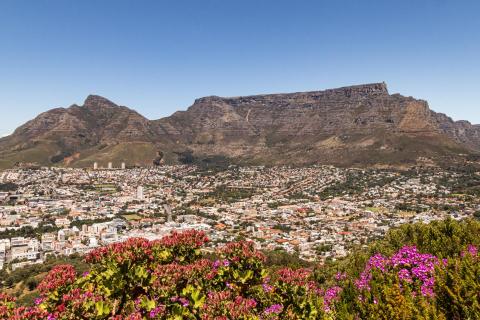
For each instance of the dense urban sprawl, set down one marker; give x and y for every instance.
(317, 212)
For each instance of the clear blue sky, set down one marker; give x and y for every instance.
(158, 56)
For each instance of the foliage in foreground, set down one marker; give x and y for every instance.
(172, 279)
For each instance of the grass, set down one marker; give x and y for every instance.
(101, 186)
(406, 214)
(132, 217)
(129, 152)
(39, 153)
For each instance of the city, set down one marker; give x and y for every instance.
(316, 212)
(239, 160)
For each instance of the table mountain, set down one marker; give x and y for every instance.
(356, 125)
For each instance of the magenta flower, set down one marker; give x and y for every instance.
(411, 267)
(340, 276)
(276, 308)
(331, 295)
(472, 250)
(156, 311)
(184, 302)
(404, 274)
(267, 288)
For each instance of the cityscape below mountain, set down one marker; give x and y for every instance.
(348, 203)
(239, 160)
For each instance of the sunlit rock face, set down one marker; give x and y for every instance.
(356, 125)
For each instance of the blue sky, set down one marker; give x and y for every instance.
(158, 56)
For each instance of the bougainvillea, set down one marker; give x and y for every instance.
(8, 310)
(60, 276)
(411, 267)
(172, 279)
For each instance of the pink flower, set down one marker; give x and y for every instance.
(276, 308)
(471, 250)
(340, 276)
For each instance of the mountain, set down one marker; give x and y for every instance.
(355, 125)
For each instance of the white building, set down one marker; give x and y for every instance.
(140, 192)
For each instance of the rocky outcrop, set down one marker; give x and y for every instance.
(350, 125)
(355, 125)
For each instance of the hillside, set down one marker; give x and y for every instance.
(356, 125)
(417, 271)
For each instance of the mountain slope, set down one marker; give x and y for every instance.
(356, 125)
(59, 134)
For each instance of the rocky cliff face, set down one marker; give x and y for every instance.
(356, 125)
(78, 131)
(98, 120)
(352, 125)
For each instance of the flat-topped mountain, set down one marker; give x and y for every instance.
(356, 125)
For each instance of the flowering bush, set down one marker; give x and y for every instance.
(59, 277)
(8, 310)
(457, 286)
(413, 269)
(171, 279)
(140, 279)
(415, 285)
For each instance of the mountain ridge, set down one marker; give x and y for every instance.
(354, 125)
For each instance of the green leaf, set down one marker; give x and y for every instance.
(141, 272)
(147, 303)
(198, 298)
(246, 276)
(102, 308)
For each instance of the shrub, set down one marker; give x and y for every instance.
(172, 279)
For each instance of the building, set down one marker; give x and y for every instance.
(48, 242)
(3, 253)
(62, 222)
(140, 192)
(168, 209)
(61, 236)
(18, 242)
(24, 253)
